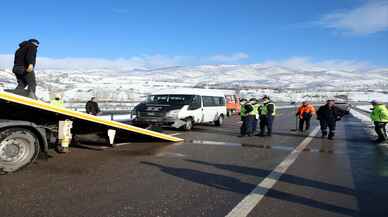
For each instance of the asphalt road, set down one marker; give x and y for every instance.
(210, 174)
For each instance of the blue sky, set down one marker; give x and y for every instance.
(200, 31)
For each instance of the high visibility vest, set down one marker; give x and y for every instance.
(380, 113)
(58, 103)
(242, 111)
(264, 109)
(256, 108)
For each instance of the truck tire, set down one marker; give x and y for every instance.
(189, 124)
(18, 148)
(220, 121)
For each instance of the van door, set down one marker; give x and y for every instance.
(209, 109)
(195, 109)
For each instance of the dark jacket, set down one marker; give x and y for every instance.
(25, 54)
(333, 114)
(92, 108)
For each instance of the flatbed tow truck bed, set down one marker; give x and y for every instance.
(28, 126)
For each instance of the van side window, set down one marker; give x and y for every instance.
(220, 101)
(208, 101)
(196, 103)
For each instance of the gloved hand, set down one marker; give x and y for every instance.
(30, 68)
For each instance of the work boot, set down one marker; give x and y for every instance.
(32, 95)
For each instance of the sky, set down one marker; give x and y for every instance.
(158, 33)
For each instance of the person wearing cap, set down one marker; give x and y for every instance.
(379, 117)
(57, 101)
(255, 113)
(328, 115)
(267, 113)
(246, 118)
(304, 113)
(24, 64)
(92, 107)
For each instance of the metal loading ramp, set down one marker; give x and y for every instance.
(17, 107)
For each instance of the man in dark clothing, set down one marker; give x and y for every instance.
(92, 107)
(24, 64)
(267, 113)
(247, 119)
(328, 115)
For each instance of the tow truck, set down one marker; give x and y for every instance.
(28, 127)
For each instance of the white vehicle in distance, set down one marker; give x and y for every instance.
(181, 108)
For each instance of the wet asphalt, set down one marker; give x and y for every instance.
(207, 175)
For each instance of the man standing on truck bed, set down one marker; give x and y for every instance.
(24, 64)
(92, 107)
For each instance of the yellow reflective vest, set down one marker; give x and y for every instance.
(264, 109)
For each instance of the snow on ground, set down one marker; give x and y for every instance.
(281, 83)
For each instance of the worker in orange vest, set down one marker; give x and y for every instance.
(304, 113)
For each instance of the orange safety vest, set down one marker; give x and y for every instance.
(305, 109)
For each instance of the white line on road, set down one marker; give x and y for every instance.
(253, 199)
(176, 134)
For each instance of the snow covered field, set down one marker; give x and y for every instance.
(281, 83)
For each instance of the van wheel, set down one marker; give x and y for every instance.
(18, 148)
(220, 121)
(189, 124)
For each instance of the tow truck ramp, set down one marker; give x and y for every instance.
(16, 107)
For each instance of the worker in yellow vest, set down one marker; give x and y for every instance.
(267, 113)
(57, 101)
(254, 113)
(246, 126)
(379, 117)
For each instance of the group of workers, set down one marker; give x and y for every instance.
(263, 111)
(253, 113)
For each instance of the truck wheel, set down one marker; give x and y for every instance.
(189, 124)
(220, 121)
(18, 148)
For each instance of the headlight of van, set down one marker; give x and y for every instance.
(172, 114)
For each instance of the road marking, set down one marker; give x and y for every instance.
(175, 134)
(253, 199)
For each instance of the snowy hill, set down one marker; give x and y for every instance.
(134, 84)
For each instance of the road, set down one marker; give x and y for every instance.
(213, 173)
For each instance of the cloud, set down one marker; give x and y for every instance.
(371, 17)
(122, 64)
(141, 62)
(233, 58)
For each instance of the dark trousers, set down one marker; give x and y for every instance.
(328, 124)
(381, 130)
(303, 121)
(246, 127)
(266, 122)
(25, 79)
(254, 124)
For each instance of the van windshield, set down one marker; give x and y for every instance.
(170, 99)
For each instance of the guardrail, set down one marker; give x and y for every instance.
(110, 110)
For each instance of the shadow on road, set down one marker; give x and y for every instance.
(235, 185)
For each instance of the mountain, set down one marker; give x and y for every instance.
(134, 84)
